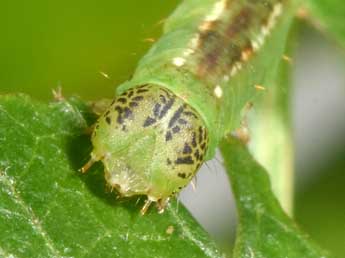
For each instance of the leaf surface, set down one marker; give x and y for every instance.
(48, 209)
(264, 230)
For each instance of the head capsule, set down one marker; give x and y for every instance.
(151, 142)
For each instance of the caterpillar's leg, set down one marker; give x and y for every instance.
(88, 164)
(145, 207)
(161, 204)
(89, 130)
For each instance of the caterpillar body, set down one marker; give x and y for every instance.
(157, 131)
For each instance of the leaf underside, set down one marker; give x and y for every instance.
(48, 209)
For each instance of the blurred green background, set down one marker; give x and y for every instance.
(46, 44)
(320, 206)
(49, 43)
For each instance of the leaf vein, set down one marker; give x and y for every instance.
(34, 221)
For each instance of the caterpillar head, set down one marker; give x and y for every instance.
(151, 143)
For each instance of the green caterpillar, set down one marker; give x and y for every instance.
(157, 132)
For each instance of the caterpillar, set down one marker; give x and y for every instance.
(156, 133)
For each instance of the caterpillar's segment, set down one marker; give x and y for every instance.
(207, 54)
(151, 143)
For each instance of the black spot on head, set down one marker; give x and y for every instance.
(168, 136)
(194, 139)
(203, 146)
(166, 107)
(197, 154)
(118, 109)
(142, 90)
(176, 116)
(149, 121)
(181, 121)
(122, 100)
(108, 120)
(162, 98)
(138, 98)
(189, 113)
(200, 134)
(198, 165)
(186, 149)
(130, 93)
(127, 112)
(182, 175)
(119, 119)
(142, 86)
(133, 104)
(165, 91)
(156, 109)
(184, 160)
(176, 129)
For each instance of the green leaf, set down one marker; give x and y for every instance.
(329, 16)
(48, 209)
(269, 126)
(264, 229)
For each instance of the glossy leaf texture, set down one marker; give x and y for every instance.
(48, 209)
(328, 16)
